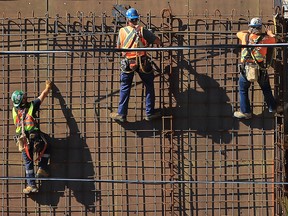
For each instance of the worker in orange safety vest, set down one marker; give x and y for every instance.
(253, 68)
(135, 36)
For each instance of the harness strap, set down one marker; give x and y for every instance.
(141, 65)
(27, 150)
(251, 50)
(41, 153)
(136, 36)
(26, 145)
(44, 149)
(137, 41)
(133, 40)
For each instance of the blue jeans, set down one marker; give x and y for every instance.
(125, 89)
(29, 164)
(264, 83)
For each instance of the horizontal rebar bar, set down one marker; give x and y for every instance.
(171, 48)
(154, 182)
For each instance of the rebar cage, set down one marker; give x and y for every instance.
(196, 160)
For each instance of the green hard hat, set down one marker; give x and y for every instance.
(17, 98)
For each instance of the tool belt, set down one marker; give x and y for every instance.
(21, 142)
(250, 70)
(139, 63)
(24, 142)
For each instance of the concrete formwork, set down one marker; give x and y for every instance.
(195, 160)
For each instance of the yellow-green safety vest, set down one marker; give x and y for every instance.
(29, 122)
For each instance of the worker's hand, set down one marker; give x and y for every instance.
(48, 84)
(269, 32)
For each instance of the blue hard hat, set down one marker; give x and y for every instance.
(132, 13)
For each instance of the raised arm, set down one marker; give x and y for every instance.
(269, 32)
(45, 92)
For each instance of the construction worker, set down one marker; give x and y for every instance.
(30, 139)
(135, 36)
(252, 67)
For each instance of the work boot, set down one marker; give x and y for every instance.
(41, 173)
(240, 115)
(279, 110)
(30, 189)
(155, 115)
(117, 117)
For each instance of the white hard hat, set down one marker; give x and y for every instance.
(255, 22)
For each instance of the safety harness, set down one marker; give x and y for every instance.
(26, 143)
(40, 154)
(136, 42)
(250, 51)
(25, 139)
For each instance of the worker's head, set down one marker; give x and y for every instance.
(255, 25)
(132, 16)
(256, 22)
(19, 99)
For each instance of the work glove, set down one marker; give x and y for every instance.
(48, 84)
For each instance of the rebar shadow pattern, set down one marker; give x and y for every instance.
(106, 168)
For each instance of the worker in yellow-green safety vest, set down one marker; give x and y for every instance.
(29, 137)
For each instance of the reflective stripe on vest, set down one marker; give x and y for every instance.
(132, 40)
(259, 57)
(29, 121)
(255, 51)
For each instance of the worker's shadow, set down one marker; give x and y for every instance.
(143, 128)
(205, 110)
(70, 159)
(263, 120)
(203, 107)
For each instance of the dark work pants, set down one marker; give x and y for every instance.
(125, 89)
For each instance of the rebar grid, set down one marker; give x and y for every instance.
(196, 140)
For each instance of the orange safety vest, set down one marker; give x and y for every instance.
(258, 52)
(130, 37)
(29, 122)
